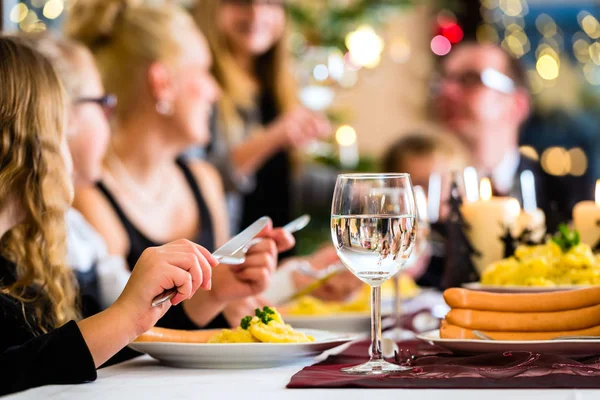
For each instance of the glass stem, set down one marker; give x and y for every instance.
(397, 302)
(376, 353)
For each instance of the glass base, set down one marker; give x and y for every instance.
(379, 367)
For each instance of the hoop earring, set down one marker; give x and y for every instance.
(164, 107)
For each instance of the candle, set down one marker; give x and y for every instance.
(434, 196)
(531, 218)
(586, 215)
(488, 218)
(348, 146)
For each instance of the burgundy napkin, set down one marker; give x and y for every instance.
(435, 368)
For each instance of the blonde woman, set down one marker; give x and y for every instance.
(40, 340)
(157, 63)
(258, 122)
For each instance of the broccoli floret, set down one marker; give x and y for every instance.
(246, 322)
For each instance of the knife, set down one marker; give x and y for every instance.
(225, 254)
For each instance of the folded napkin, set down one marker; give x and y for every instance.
(435, 368)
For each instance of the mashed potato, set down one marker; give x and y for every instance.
(265, 326)
(545, 265)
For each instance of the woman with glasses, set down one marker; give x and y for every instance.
(157, 63)
(258, 122)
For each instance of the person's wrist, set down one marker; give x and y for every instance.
(129, 320)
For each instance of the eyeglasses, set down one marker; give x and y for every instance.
(252, 2)
(489, 77)
(108, 102)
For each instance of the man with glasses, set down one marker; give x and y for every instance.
(482, 96)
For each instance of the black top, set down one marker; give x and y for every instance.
(175, 318)
(138, 242)
(273, 180)
(29, 358)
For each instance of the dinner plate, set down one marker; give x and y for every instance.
(521, 289)
(240, 355)
(479, 346)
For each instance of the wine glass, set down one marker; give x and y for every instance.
(420, 249)
(373, 228)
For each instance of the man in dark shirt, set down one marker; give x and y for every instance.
(483, 98)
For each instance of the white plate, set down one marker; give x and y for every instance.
(521, 289)
(478, 346)
(342, 322)
(240, 355)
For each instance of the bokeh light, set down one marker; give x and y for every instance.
(556, 161)
(365, 46)
(53, 9)
(529, 151)
(594, 51)
(320, 72)
(440, 45)
(512, 7)
(18, 13)
(581, 49)
(486, 33)
(546, 25)
(579, 161)
(547, 67)
(345, 135)
(591, 72)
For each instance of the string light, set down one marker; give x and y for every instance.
(591, 72)
(546, 25)
(511, 7)
(529, 151)
(581, 49)
(594, 51)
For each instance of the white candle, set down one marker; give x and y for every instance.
(531, 218)
(348, 146)
(488, 219)
(586, 215)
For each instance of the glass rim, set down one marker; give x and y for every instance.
(368, 175)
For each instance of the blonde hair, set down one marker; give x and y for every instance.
(125, 38)
(238, 89)
(68, 57)
(32, 172)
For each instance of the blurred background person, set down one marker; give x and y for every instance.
(157, 63)
(483, 98)
(258, 122)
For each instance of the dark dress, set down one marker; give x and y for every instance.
(271, 195)
(175, 318)
(29, 358)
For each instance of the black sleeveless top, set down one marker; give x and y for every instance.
(175, 318)
(138, 242)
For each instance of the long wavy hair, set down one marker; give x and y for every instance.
(33, 175)
(239, 89)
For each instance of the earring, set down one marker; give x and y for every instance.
(164, 107)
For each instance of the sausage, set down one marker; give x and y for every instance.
(568, 320)
(449, 331)
(522, 302)
(177, 336)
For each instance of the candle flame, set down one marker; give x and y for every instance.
(345, 135)
(598, 192)
(485, 189)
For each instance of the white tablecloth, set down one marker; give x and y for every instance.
(144, 378)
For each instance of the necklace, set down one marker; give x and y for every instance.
(114, 163)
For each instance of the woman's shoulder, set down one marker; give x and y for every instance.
(205, 173)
